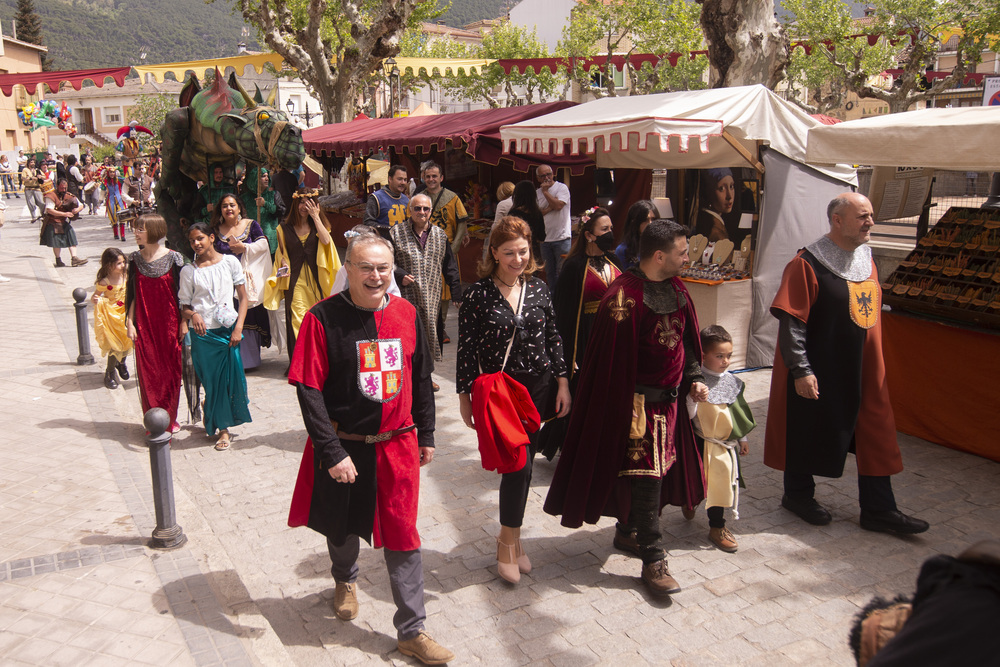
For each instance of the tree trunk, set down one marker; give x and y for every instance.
(746, 44)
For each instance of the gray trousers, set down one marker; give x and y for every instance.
(406, 579)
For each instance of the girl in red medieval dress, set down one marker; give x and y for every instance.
(153, 320)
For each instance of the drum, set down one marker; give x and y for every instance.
(127, 216)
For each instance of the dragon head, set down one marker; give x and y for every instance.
(264, 134)
(256, 132)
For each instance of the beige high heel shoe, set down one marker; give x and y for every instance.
(508, 569)
(523, 562)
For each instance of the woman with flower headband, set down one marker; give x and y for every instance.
(589, 269)
(506, 324)
(243, 238)
(305, 263)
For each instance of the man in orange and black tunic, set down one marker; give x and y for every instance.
(828, 391)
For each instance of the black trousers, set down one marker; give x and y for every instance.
(514, 486)
(874, 492)
(644, 518)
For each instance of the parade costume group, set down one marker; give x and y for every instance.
(644, 413)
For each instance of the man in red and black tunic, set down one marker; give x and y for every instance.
(362, 369)
(828, 389)
(626, 453)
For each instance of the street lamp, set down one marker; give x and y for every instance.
(305, 117)
(392, 72)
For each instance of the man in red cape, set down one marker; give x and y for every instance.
(626, 454)
(362, 372)
(828, 389)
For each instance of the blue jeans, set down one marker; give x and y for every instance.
(553, 256)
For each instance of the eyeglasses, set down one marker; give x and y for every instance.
(420, 208)
(545, 177)
(366, 269)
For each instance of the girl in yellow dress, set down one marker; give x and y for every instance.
(109, 315)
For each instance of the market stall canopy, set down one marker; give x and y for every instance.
(478, 131)
(53, 80)
(960, 139)
(200, 67)
(697, 129)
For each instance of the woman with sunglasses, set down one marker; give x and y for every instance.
(511, 309)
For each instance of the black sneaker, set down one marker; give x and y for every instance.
(807, 509)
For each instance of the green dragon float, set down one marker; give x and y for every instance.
(220, 125)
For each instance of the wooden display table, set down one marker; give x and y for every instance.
(727, 304)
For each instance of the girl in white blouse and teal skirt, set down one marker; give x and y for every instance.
(206, 297)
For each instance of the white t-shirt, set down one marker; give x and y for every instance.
(557, 223)
(205, 288)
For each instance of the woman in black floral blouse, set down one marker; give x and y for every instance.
(487, 321)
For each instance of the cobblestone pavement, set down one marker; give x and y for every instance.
(78, 584)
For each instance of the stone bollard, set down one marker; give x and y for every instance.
(167, 534)
(82, 328)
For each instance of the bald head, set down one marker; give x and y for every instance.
(851, 220)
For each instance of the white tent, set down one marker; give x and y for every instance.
(961, 139)
(725, 127)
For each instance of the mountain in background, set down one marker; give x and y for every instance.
(83, 34)
(111, 33)
(464, 12)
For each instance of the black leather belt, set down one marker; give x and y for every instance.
(378, 437)
(657, 394)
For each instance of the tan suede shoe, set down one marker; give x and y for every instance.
(345, 601)
(425, 649)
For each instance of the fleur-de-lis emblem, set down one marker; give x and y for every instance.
(621, 306)
(669, 329)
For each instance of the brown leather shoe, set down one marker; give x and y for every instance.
(425, 649)
(435, 386)
(658, 579)
(76, 261)
(345, 601)
(688, 513)
(626, 542)
(723, 539)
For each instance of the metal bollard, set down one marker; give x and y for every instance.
(167, 534)
(82, 328)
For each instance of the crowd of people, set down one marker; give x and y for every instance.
(604, 362)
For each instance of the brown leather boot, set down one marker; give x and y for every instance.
(723, 539)
(626, 541)
(657, 578)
